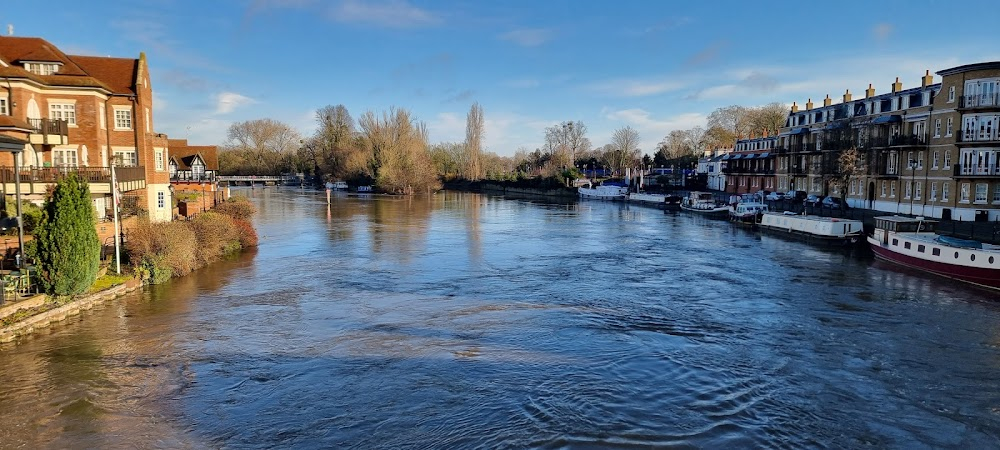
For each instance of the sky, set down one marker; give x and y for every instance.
(655, 66)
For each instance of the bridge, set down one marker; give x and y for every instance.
(262, 179)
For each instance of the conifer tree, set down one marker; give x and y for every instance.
(69, 252)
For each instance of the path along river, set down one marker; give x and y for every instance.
(462, 321)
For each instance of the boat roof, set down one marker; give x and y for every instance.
(903, 219)
(815, 218)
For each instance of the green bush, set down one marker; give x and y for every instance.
(237, 207)
(68, 250)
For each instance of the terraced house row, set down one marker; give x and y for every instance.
(929, 150)
(84, 114)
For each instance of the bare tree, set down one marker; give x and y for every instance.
(851, 164)
(766, 120)
(266, 145)
(398, 156)
(568, 137)
(474, 143)
(624, 149)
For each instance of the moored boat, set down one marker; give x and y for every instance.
(747, 210)
(672, 202)
(604, 192)
(642, 197)
(828, 230)
(912, 242)
(704, 203)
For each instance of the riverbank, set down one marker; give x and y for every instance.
(522, 188)
(39, 311)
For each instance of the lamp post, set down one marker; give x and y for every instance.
(16, 147)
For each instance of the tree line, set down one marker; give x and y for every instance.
(391, 150)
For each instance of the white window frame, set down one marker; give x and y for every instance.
(964, 193)
(148, 121)
(126, 158)
(937, 127)
(947, 159)
(951, 94)
(884, 185)
(63, 111)
(3, 107)
(123, 118)
(949, 129)
(42, 68)
(934, 190)
(937, 156)
(65, 158)
(909, 190)
(161, 200)
(944, 192)
(920, 160)
(892, 189)
(918, 190)
(996, 193)
(982, 192)
(159, 159)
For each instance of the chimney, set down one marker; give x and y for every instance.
(795, 107)
(927, 80)
(897, 86)
(809, 104)
(870, 92)
(847, 96)
(827, 101)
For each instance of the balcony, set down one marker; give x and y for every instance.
(883, 169)
(49, 131)
(961, 171)
(802, 148)
(37, 180)
(973, 138)
(748, 170)
(901, 140)
(984, 101)
(188, 177)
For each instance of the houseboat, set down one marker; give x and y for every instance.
(747, 209)
(704, 203)
(912, 242)
(606, 191)
(651, 199)
(826, 230)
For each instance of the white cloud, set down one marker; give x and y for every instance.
(882, 31)
(528, 37)
(635, 88)
(652, 130)
(447, 127)
(227, 102)
(391, 14)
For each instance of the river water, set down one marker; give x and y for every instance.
(468, 321)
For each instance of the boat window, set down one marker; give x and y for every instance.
(972, 256)
(991, 260)
(895, 242)
(936, 252)
(920, 248)
(956, 255)
(906, 245)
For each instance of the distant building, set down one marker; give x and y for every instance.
(750, 166)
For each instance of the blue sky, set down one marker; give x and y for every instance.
(653, 65)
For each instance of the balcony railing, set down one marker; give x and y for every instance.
(975, 137)
(980, 101)
(208, 177)
(50, 126)
(900, 140)
(802, 148)
(748, 170)
(975, 171)
(88, 174)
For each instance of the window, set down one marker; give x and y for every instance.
(3, 107)
(148, 121)
(944, 192)
(921, 248)
(996, 193)
(937, 128)
(909, 189)
(892, 189)
(126, 158)
(854, 184)
(883, 188)
(41, 68)
(895, 241)
(936, 251)
(906, 245)
(918, 189)
(123, 119)
(63, 111)
(920, 160)
(64, 157)
(948, 129)
(160, 200)
(934, 191)
(963, 195)
(159, 159)
(981, 189)
(934, 160)
(951, 94)
(947, 159)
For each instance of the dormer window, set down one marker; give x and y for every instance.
(42, 68)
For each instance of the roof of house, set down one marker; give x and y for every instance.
(116, 75)
(11, 122)
(181, 153)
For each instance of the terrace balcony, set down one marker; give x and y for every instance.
(960, 171)
(38, 180)
(49, 131)
(974, 102)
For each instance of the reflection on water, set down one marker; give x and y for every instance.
(463, 320)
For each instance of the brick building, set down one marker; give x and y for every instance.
(83, 114)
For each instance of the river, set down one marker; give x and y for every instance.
(467, 321)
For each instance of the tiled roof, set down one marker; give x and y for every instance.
(113, 74)
(11, 122)
(117, 73)
(182, 152)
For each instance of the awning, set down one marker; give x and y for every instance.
(763, 155)
(802, 130)
(888, 119)
(727, 156)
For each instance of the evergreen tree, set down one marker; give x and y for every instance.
(69, 252)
